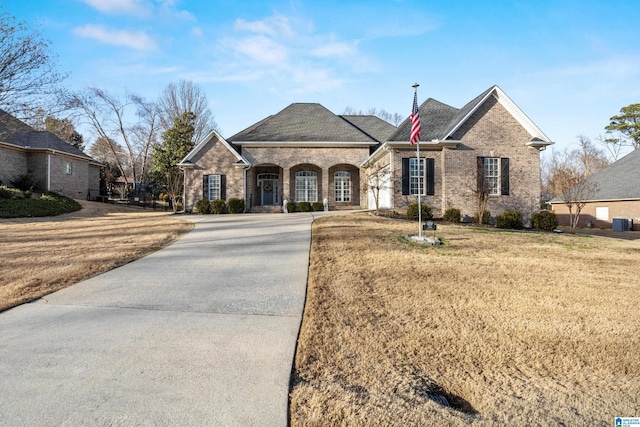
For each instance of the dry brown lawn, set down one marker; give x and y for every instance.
(512, 328)
(42, 255)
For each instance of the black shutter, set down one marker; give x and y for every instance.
(223, 187)
(431, 177)
(405, 177)
(480, 173)
(205, 187)
(504, 176)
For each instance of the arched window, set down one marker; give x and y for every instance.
(306, 186)
(342, 185)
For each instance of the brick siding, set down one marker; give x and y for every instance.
(13, 163)
(624, 209)
(215, 159)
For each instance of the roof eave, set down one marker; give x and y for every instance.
(340, 144)
(434, 143)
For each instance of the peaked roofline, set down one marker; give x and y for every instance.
(512, 108)
(186, 162)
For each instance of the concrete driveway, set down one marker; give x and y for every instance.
(200, 333)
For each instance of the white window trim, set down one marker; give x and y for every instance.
(342, 186)
(69, 168)
(414, 184)
(306, 183)
(214, 187)
(494, 186)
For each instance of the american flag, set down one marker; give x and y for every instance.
(415, 121)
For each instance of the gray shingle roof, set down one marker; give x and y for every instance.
(619, 180)
(437, 119)
(15, 132)
(374, 126)
(302, 122)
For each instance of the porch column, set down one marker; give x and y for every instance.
(286, 184)
(325, 185)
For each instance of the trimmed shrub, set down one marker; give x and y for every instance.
(203, 206)
(5, 193)
(318, 206)
(217, 206)
(510, 219)
(236, 205)
(304, 206)
(486, 217)
(452, 215)
(291, 207)
(24, 182)
(48, 204)
(412, 211)
(544, 220)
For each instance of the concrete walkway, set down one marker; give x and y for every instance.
(200, 333)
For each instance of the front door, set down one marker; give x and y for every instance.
(268, 185)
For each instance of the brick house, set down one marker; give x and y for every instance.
(489, 140)
(303, 153)
(54, 164)
(617, 195)
(307, 153)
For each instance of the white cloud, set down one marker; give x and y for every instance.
(261, 49)
(339, 49)
(137, 40)
(197, 32)
(132, 7)
(277, 25)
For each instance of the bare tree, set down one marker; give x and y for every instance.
(592, 158)
(569, 182)
(29, 80)
(611, 144)
(481, 192)
(113, 119)
(378, 179)
(395, 119)
(186, 96)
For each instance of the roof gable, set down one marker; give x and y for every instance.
(303, 122)
(187, 161)
(440, 121)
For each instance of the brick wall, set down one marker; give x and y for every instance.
(624, 209)
(74, 184)
(213, 160)
(13, 162)
(325, 161)
(492, 132)
(436, 201)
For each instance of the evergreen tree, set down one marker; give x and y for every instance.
(176, 143)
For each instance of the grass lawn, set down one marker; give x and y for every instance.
(511, 328)
(40, 256)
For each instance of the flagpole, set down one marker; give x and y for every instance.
(415, 87)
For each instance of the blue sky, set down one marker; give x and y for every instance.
(569, 65)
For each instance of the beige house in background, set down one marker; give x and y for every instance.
(307, 153)
(617, 195)
(54, 164)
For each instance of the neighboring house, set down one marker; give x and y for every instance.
(617, 195)
(54, 164)
(307, 153)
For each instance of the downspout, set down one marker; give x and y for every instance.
(392, 175)
(244, 186)
(49, 172)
